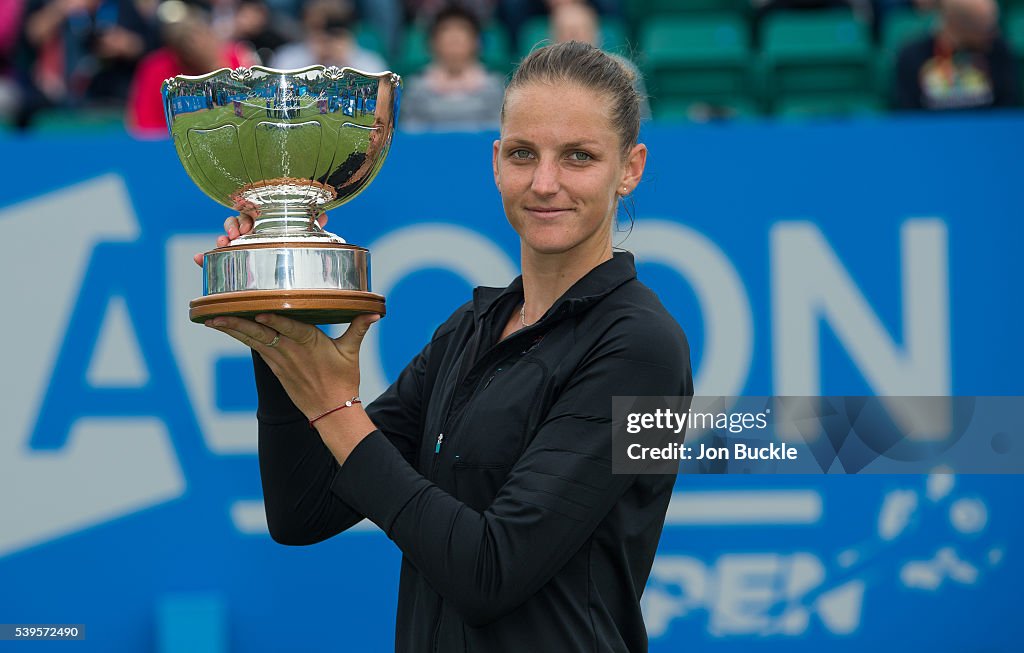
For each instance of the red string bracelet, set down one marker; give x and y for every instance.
(347, 404)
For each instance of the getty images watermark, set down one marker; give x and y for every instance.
(816, 435)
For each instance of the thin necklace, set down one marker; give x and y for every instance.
(522, 315)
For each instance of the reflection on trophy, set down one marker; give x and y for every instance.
(287, 145)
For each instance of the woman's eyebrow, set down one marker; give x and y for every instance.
(586, 142)
(517, 141)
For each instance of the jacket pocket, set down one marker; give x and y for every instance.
(497, 423)
(476, 485)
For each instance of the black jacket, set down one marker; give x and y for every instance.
(516, 535)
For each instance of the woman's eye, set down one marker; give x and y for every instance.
(580, 156)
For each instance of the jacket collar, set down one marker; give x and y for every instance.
(588, 290)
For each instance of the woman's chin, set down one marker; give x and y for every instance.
(549, 247)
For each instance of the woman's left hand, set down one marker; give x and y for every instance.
(317, 372)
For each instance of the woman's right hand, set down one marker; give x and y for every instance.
(241, 224)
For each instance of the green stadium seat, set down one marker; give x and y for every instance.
(808, 55)
(1013, 30)
(78, 120)
(414, 52)
(640, 10)
(697, 59)
(737, 108)
(369, 38)
(614, 36)
(831, 105)
(496, 52)
(899, 27)
(902, 25)
(532, 33)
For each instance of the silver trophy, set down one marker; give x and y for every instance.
(287, 145)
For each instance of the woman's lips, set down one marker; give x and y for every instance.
(546, 212)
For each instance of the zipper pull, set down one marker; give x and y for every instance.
(491, 378)
(437, 447)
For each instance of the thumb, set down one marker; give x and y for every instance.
(351, 340)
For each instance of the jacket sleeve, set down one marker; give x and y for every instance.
(297, 468)
(488, 563)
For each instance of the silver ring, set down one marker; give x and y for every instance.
(273, 343)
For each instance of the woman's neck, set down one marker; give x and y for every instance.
(546, 277)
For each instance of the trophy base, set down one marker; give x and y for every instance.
(313, 282)
(309, 306)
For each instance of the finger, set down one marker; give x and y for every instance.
(223, 241)
(247, 208)
(231, 227)
(243, 338)
(322, 220)
(300, 332)
(245, 223)
(198, 258)
(352, 339)
(259, 334)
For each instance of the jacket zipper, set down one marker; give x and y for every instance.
(440, 436)
(440, 441)
(444, 424)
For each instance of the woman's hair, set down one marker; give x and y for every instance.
(582, 64)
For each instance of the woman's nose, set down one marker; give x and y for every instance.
(545, 178)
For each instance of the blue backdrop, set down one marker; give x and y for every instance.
(868, 257)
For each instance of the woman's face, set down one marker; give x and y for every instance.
(559, 168)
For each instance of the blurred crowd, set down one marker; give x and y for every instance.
(112, 55)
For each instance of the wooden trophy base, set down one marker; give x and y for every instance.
(309, 306)
(315, 282)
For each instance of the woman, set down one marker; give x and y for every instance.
(488, 461)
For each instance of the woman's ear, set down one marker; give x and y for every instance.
(494, 163)
(634, 169)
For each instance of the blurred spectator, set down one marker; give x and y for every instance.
(515, 13)
(191, 47)
(329, 41)
(425, 11)
(79, 52)
(965, 64)
(455, 92)
(249, 21)
(10, 22)
(577, 21)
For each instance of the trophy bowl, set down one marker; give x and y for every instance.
(285, 145)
